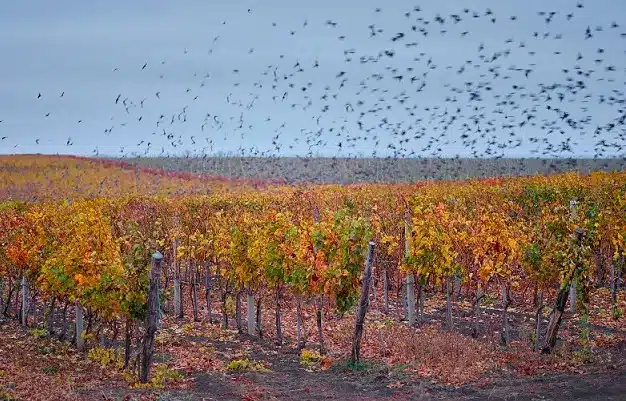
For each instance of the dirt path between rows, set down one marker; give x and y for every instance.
(289, 381)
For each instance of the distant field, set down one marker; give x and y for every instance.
(361, 170)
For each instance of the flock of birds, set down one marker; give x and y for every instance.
(395, 98)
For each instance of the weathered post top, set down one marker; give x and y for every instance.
(157, 256)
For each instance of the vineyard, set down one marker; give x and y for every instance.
(469, 278)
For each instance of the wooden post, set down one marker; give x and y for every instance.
(24, 313)
(251, 314)
(363, 305)
(147, 342)
(80, 340)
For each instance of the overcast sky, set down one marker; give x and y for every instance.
(221, 80)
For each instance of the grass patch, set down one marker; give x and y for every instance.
(39, 333)
(360, 366)
(239, 365)
(45, 350)
(51, 370)
(310, 360)
(107, 357)
(161, 376)
(5, 396)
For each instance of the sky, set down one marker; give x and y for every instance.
(280, 77)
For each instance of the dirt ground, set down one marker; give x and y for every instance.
(202, 351)
(287, 380)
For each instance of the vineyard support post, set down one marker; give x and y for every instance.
(80, 340)
(147, 343)
(363, 305)
(24, 313)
